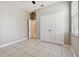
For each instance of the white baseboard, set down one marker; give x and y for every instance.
(4, 45)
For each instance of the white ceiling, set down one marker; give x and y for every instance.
(26, 5)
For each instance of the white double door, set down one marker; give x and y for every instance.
(52, 28)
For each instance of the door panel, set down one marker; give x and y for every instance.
(57, 28)
(44, 34)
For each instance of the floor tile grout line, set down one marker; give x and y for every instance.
(19, 50)
(61, 51)
(23, 51)
(49, 52)
(16, 48)
(6, 53)
(35, 48)
(39, 49)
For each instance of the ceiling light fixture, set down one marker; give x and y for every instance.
(33, 2)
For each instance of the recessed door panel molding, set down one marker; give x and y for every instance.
(52, 28)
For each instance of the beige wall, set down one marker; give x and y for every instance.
(54, 8)
(13, 24)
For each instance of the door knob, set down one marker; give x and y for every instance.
(50, 30)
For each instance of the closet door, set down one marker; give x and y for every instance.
(57, 25)
(52, 28)
(44, 33)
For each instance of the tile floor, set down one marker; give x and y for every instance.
(35, 48)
